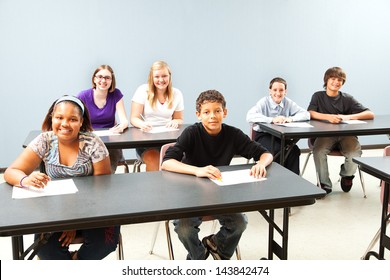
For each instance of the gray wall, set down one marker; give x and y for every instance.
(50, 48)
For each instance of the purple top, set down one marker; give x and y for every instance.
(101, 117)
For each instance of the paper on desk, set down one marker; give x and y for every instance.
(58, 187)
(105, 132)
(236, 177)
(295, 124)
(159, 129)
(353, 121)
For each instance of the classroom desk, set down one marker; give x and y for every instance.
(377, 126)
(379, 167)
(131, 138)
(129, 198)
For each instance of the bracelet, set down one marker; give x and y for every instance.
(21, 181)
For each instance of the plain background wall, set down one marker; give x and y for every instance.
(50, 48)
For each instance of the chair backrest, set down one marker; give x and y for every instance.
(163, 150)
(386, 153)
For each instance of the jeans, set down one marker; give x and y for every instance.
(226, 239)
(98, 243)
(291, 162)
(349, 147)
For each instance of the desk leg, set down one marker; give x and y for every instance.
(282, 149)
(384, 241)
(273, 246)
(17, 247)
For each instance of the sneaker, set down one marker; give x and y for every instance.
(326, 188)
(212, 248)
(346, 183)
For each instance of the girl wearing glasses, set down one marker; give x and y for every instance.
(156, 103)
(103, 101)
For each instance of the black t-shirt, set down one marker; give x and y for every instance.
(343, 103)
(196, 147)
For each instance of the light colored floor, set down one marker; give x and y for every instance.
(339, 227)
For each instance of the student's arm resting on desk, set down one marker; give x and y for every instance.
(22, 170)
(337, 118)
(174, 165)
(255, 114)
(136, 120)
(297, 113)
(123, 121)
(177, 119)
(259, 169)
(365, 115)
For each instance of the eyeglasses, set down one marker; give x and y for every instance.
(100, 77)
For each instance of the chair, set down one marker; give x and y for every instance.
(386, 153)
(334, 152)
(164, 148)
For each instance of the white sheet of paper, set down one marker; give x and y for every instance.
(236, 177)
(159, 129)
(106, 132)
(353, 121)
(58, 187)
(295, 124)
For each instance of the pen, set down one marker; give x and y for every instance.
(142, 117)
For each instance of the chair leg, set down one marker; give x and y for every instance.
(126, 167)
(137, 166)
(362, 182)
(120, 253)
(154, 238)
(238, 253)
(373, 241)
(305, 164)
(169, 240)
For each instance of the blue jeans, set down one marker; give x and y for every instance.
(98, 243)
(349, 147)
(226, 239)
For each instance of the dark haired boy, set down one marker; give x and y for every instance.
(200, 148)
(335, 106)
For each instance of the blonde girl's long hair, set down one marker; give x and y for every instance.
(152, 97)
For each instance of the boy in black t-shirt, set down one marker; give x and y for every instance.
(199, 149)
(335, 106)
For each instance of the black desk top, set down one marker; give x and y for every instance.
(147, 197)
(131, 138)
(377, 166)
(379, 125)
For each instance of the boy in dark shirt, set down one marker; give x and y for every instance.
(335, 106)
(200, 148)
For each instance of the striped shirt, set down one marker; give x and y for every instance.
(91, 150)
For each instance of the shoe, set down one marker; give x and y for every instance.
(346, 183)
(212, 248)
(206, 255)
(326, 188)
